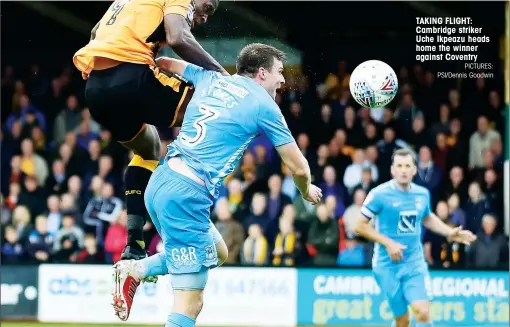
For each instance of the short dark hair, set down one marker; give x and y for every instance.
(403, 153)
(256, 55)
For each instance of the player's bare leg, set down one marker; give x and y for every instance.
(146, 147)
(402, 321)
(186, 308)
(421, 310)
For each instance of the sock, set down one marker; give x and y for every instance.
(155, 265)
(136, 178)
(178, 320)
(423, 324)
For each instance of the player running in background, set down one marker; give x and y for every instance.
(399, 207)
(126, 92)
(224, 116)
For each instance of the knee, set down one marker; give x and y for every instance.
(402, 321)
(147, 145)
(421, 312)
(154, 152)
(188, 303)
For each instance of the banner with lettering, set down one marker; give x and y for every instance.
(351, 297)
(19, 292)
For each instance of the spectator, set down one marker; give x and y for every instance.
(68, 120)
(231, 231)
(255, 247)
(13, 251)
(428, 175)
(21, 221)
(86, 118)
(490, 249)
(31, 163)
(442, 154)
(276, 199)
(498, 153)
(68, 241)
(33, 197)
(322, 160)
(91, 254)
(367, 183)
(287, 244)
(438, 252)
(352, 128)
(13, 197)
(54, 216)
(101, 211)
(116, 238)
(57, 180)
(456, 214)
(288, 187)
(26, 109)
(418, 136)
(303, 142)
(443, 126)
(370, 136)
(352, 176)
(40, 241)
(479, 141)
(325, 127)
(332, 188)
(457, 184)
(353, 212)
(493, 189)
(475, 208)
(323, 238)
(262, 170)
(352, 255)
(236, 200)
(258, 213)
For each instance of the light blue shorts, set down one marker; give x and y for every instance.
(403, 285)
(180, 210)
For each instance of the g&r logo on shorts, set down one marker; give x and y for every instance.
(185, 256)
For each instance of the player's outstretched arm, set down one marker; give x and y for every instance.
(435, 224)
(298, 165)
(184, 44)
(171, 65)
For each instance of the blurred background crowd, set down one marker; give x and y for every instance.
(61, 173)
(62, 190)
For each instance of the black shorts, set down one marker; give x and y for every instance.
(126, 97)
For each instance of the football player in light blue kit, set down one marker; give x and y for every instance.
(399, 208)
(225, 114)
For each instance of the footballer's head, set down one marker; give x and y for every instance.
(264, 64)
(403, 167)
(203, 9)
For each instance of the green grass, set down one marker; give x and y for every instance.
(40, 324)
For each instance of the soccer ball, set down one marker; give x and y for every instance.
(373, 84)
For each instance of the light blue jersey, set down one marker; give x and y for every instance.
(398, 215)
(225, 114)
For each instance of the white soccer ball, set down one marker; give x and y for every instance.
(373, 84)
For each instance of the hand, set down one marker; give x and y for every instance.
(395, 249)
(314, 194)
(85, 76)
(461, 236)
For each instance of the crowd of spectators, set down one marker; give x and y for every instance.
(62, 191)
